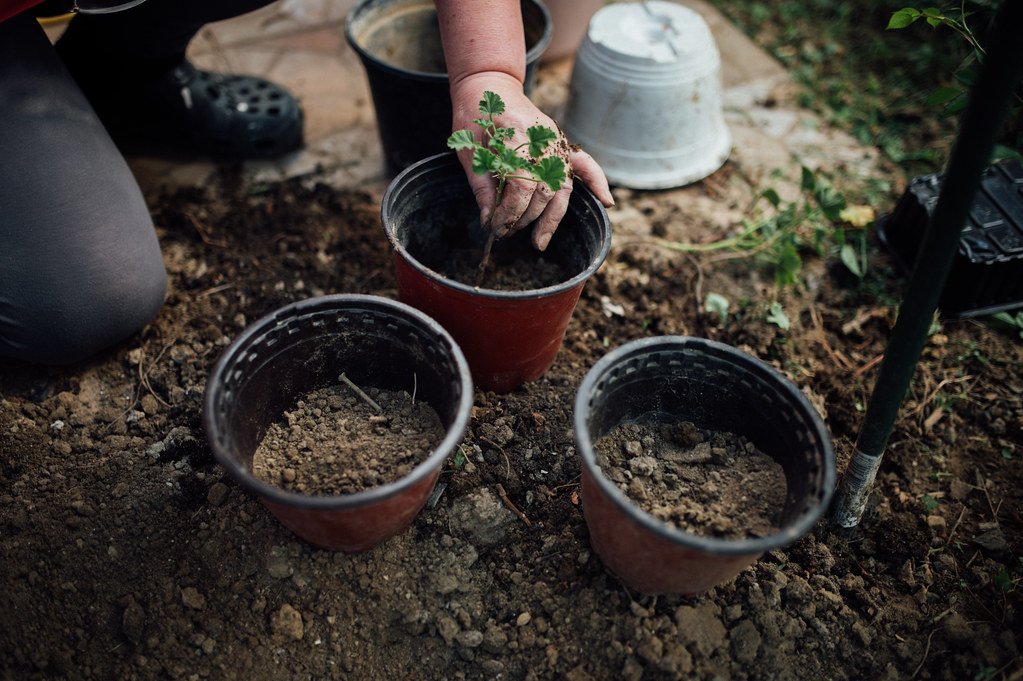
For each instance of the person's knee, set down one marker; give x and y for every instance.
(73, 318)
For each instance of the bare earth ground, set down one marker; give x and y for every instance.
(128, 554)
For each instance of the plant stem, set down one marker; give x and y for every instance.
(485, 260)
(491, 237)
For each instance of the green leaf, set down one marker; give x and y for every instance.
(491, 104)
(943, 95)
(776, 315)
(483, 161)
(807, 182)
(903, 18)
(540, 138)
(772, 197)
(461, 139)
(787, 263)
(509, 161)
(830, 201)
(550, 171)
(1004, 153)
(716, 303)
(502, 134)
(929, 502)
(851, 260)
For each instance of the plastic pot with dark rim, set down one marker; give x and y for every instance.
(305, 346)
(718, 388)
(509, 337)
(398, 42)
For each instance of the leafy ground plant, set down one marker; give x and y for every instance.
(820, 222)
(492, 154)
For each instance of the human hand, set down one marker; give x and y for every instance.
(523, 202)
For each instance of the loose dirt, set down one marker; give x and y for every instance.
(335, 442)
(705, 482)
(128, 552)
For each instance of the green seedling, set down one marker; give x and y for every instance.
(494, 155)
(715, 303)
(820, 222)
(776, 315)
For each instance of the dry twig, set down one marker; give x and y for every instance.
(927, 650)
(507, 462)
(837, 357)
(512, 507)
(358, 391)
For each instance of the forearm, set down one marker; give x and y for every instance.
(482, 36)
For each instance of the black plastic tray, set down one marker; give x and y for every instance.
(987, 273)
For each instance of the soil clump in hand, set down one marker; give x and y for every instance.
(333, 442)
(700, 481)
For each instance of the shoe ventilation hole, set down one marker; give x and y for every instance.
(274, 111)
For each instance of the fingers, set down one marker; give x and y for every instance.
(590, 173)
(542, 196)
(517, 196)
(552, 214)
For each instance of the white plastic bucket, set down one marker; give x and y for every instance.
(645, 96)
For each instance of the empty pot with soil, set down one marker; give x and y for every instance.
(510, 327)
(399, 45)
(339, 412)
(696, 459)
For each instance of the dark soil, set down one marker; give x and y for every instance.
(704, 482)
(335, 442)
(505, 271)
(129, 554)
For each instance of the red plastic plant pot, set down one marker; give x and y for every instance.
(509, 337)
(718, 388)
(305, 346)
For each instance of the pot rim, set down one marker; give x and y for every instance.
(532, 54)
(453, 436)
(448, 158)
(712, 545)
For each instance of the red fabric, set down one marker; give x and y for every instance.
(9, 8)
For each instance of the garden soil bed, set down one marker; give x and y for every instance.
(129, 554)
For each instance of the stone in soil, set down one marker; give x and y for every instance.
(701, 481)
(333, 442)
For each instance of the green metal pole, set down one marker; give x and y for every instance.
(979, 126)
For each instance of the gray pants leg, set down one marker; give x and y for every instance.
(80, 265)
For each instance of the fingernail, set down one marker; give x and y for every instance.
(542, 241)
(485, 217)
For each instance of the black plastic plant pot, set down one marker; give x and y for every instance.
(509, 337)
(987, 271)
(306, 346)
(673, 378)
(398, 42)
